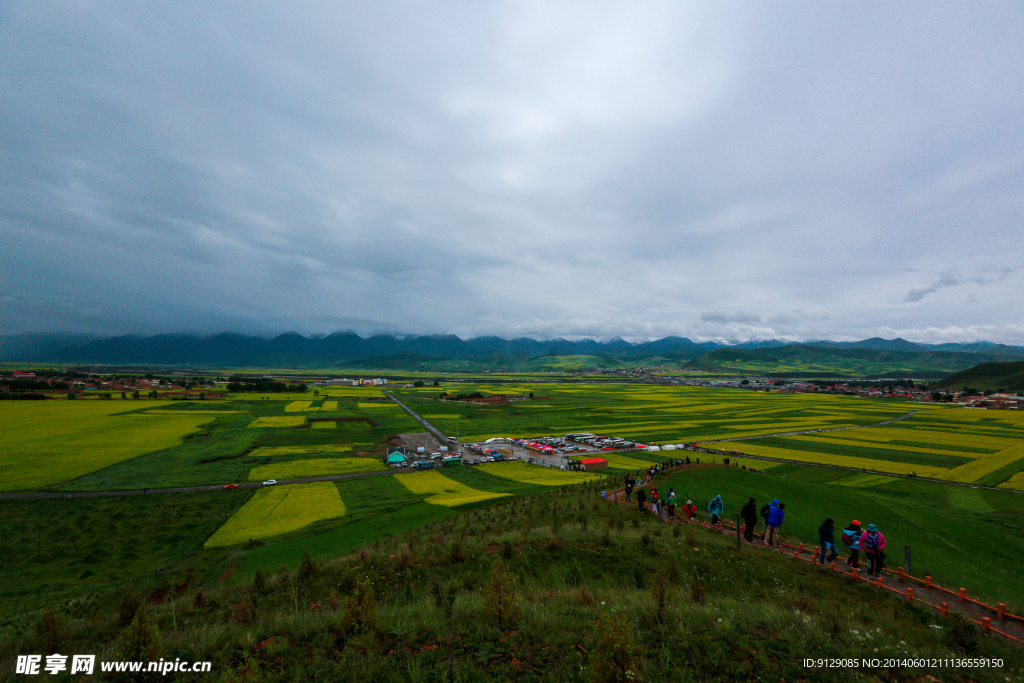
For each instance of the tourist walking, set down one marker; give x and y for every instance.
(765, 511)
(641, 498)
(749, 515)
(716, 507)
(689, 510)
(851, 539)
(775, 519)
(826, 541)
(629, 489)
(873, 544)
(671, 503)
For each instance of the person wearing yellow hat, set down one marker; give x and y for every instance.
(851, 538)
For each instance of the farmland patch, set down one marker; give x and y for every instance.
(441, 490)
(315, 467)
(279, 510)
(276, 421)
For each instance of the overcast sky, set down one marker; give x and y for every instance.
(794, 170)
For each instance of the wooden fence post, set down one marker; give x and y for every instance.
(906, 560)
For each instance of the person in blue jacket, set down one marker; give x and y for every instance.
(775, 519)
(716, 507)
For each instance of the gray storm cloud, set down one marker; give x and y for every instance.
(795, 170)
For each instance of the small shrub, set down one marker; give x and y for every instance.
(698, 593)
(606, 539)
(676, 531)
(961, 634)
(51, 631)
(259, 581)
(360, 608)
(614, 657)
(691, 537)
(130, 604)
(308, 568)
(199, 599)
(637, 577)
(645, 539)
(140, 640)
(573, 577)
(500, 597)
(506, 551)
(243, 612)
(456, 553)
(662, 594)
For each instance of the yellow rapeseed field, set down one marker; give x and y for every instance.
(279, 510)
(275, 421)
(440, 490)
(329, 405)
(535, 474)
(314, 467)
(44, 443)
(377, 405)
(298, 406)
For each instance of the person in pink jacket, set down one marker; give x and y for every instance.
(873, 544)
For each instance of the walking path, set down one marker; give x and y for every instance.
(909, 588)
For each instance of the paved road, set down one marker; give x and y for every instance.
(429, 427)
(186, 489)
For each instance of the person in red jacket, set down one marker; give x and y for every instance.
(689, 510)
(872, 542)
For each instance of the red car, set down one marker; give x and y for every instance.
(231, 486)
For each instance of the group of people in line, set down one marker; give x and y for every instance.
(772, 515)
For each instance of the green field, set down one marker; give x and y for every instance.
(645, 413)
(971, 446)
(227, 448)
(44, 443)
(959, 536)
(88, 550)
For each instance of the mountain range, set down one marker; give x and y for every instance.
(440, 352)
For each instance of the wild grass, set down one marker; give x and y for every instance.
(521, 590)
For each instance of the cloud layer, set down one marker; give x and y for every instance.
(792, 170)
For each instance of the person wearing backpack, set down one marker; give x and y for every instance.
(775, 519)
(826, 541)
(716, 507)
(629, 489)
(749, 515)
(766, 510)
(873, 544)
(851, 538)
(690, 510)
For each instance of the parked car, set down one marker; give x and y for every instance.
(270, 482)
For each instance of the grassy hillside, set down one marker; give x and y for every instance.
(809, 360)
(987, 377)
(553, 587)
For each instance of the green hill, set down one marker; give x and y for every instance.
(549, 587)
(987, 377)
(827, 361)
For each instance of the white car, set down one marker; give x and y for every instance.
(270, 482)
